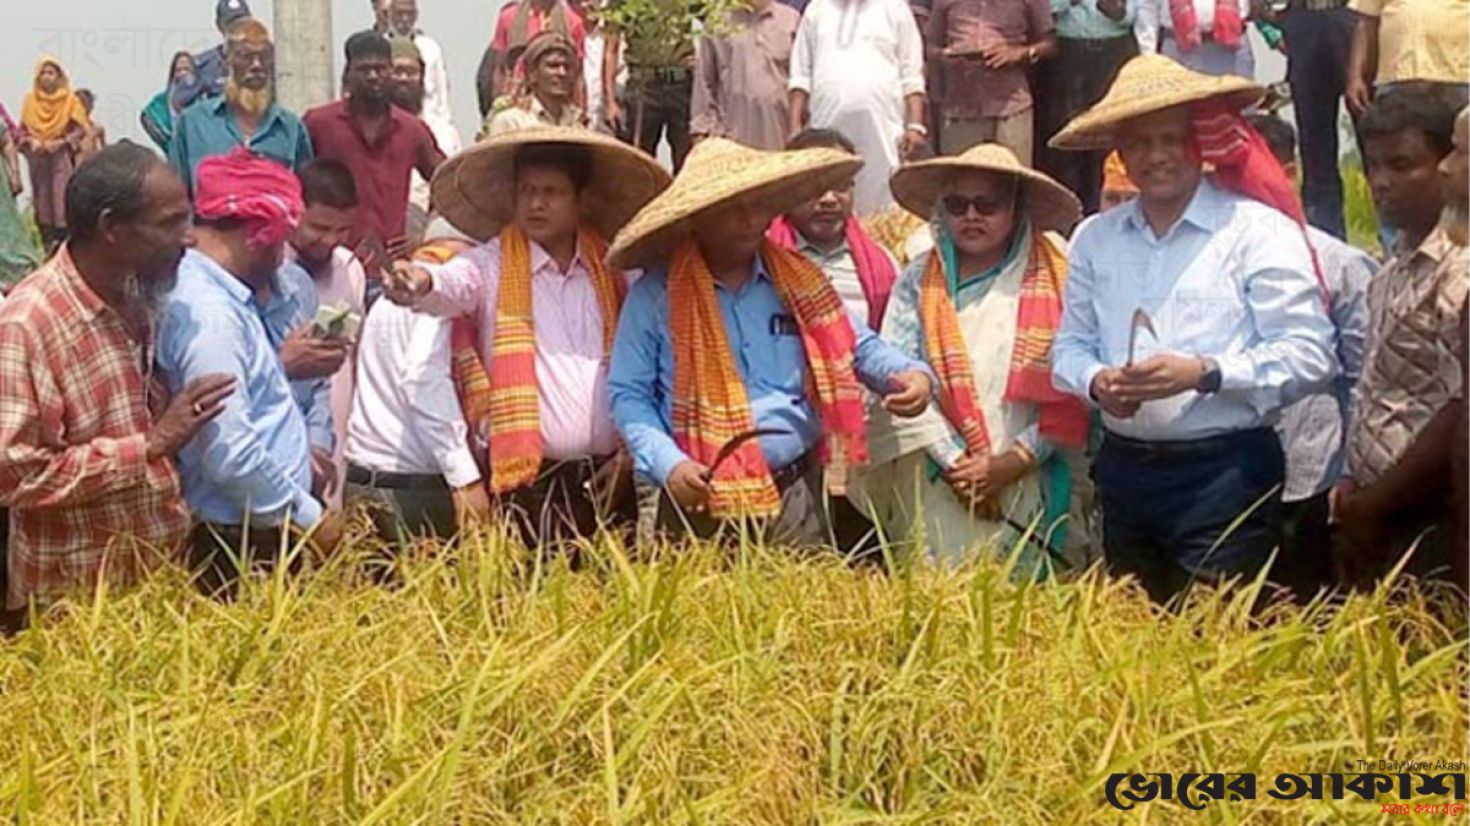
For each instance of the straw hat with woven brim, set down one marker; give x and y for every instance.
(475, 190)
(719, 172)
(1146, 84)
(1049, 205)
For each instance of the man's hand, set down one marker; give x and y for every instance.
(1337, 499)
(323, 472)
(307, 357)
(1159, 377)
(471, 504)
(1004, 55)
(909, 394)
(406, 283)
(201, 401)
(910, 144)
(982, 479)
(1104, 391)
(16, 188)
(326, 534)
(612, 482)
(1359, 95)
(612, 114)
(398, 249)
(689, 486)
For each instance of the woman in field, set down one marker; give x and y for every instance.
(997, 454)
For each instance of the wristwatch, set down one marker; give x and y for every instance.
(1209, 380)
(920, 128)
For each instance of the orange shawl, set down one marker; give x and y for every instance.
(505, 401)
(1063, 419)
(47, 115)
(710, 405)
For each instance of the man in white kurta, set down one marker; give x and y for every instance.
(858, 67)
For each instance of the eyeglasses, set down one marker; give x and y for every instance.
(958, 206)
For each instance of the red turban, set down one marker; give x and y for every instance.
(261, 193)
(1244, 164)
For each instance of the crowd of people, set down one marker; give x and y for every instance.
(974, 276)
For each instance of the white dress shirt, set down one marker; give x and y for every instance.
(1231, 280)
(406, 417)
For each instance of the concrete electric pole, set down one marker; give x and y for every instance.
(304, 53)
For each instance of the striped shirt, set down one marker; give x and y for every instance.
(77, 397)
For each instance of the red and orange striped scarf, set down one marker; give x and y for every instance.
(505, 402)
(1063, 418)
(710, 403)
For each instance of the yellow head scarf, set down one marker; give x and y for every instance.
(47, 115)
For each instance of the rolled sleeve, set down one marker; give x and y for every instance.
(802, 55)
(910, 53)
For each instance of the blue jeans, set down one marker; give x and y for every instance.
(1317, 71)
(1167, 507)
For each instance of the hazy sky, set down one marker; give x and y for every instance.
(121, 49)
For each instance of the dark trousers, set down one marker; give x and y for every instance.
(220, 554)
(1316, 69)
(1074, 80)
(558, 508)
(803, 520)
(1304, 564)
(1169, 507)
(402, 513)
(656, 104)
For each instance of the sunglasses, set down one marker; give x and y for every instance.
(958, 206)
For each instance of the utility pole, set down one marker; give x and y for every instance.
(304, 53)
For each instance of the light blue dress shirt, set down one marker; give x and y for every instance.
(768, 353)
(292, 305)
(254, 458)
(1231, 280)
(1082, 21)
(208, 128)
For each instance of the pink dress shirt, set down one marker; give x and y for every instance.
(571, 367)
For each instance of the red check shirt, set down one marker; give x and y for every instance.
(77, 397)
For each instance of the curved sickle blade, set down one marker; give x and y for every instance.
(1141, 320)
(728, 448)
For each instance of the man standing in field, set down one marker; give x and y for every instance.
(1413, 364)
(728, 334)
(248, 476)
(538, 305)
(87, 434)
(1192, 316)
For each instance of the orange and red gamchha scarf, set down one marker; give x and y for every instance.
(1063, 419)
(710, 403)
(504, 402)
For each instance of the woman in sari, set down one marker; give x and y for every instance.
(992, 465)
(54, 126)
(18, 253)
(163, 110)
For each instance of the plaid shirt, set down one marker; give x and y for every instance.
(77, 397)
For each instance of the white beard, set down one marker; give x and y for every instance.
(1455, 221)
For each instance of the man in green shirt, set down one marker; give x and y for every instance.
(655, 99)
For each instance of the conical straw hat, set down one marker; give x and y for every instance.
(475, 190)
(1146, 84)
(1049, 205)
(718, 172)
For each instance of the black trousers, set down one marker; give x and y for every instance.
(656, 104)
(1075, 79)
(220, 554)
(1316, 68)
(558, 508)
(1305, 562)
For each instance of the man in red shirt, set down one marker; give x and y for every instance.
(86, 442)
(380, 143)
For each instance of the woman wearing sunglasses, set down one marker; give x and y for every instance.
(995, 458)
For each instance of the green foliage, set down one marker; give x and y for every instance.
(697, 685)
(669, 24)
(1361, 216)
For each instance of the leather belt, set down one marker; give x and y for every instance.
(395, 481)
